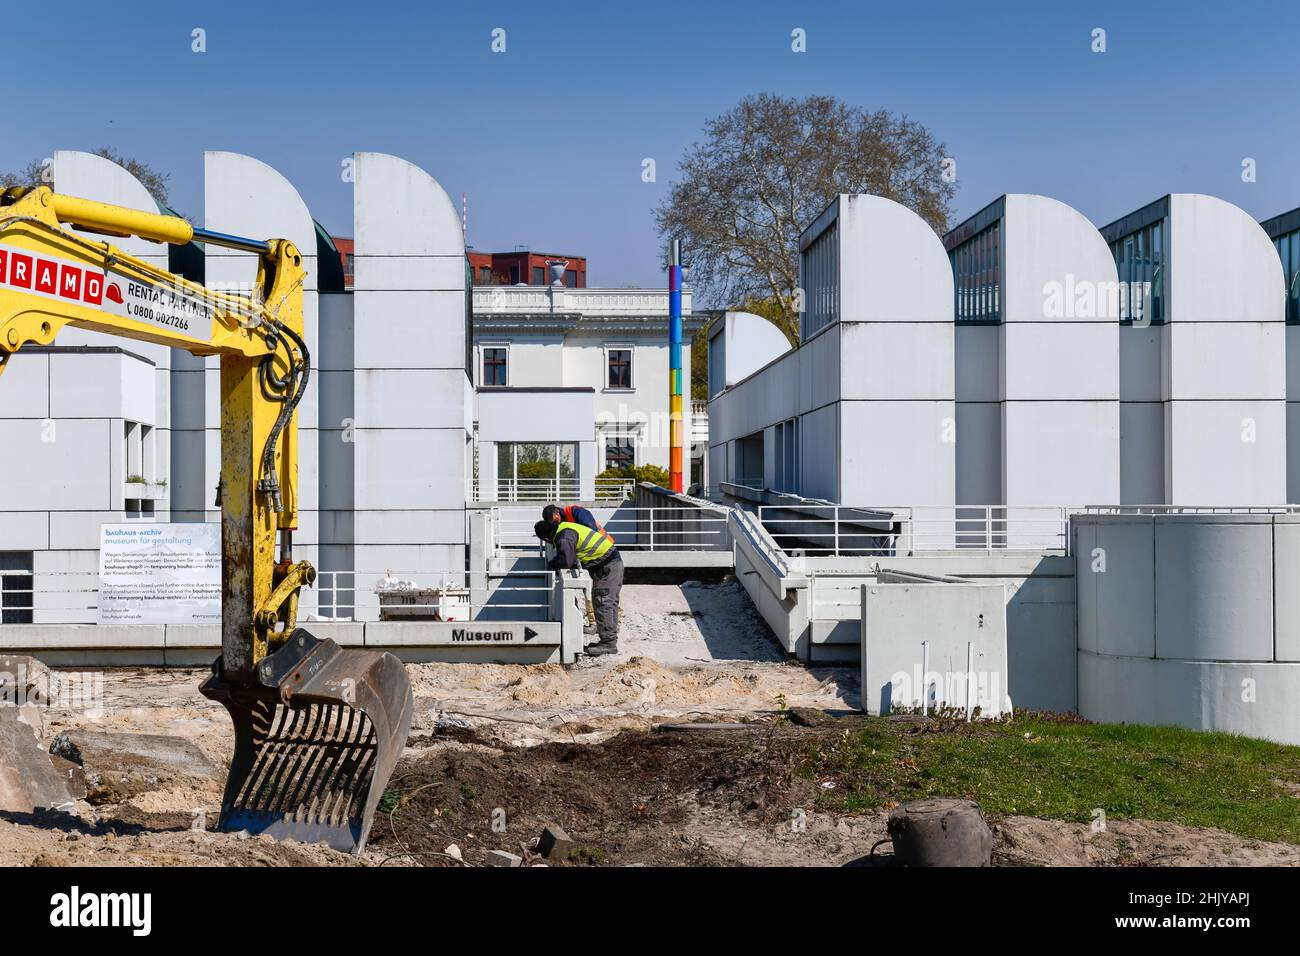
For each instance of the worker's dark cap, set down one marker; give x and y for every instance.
(550, 511)
(544, 530)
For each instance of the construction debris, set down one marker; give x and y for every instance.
(940, 832)
(554, 843)
(119, 766)
(502, 858)
(28, 780)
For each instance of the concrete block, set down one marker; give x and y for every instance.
(1213, 588)
(1141, 453)
(979, 453)
(409, 469)
(1225, 360)
(1060, 452)
(554, 843)
(1199, 695)
(1115, 580)
(39, 638)
(417, 398)
(1060, 361)
(119, 766)
(978, 358)
(896, 361)
(910, 460)
(28, 781)
(1286, 598)
(24, 530)
(25, 387)
(410, 273)
(502, 858)
(1225, 453)
(53, 475)
(432, 324)
(102, 385)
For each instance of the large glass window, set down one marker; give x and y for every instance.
(539, 275)
(977, 277)
(494, 365)
(1140, 263)
(537, 470)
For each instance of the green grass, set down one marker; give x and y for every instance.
(1063, 770)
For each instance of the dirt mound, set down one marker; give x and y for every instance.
(621, 800)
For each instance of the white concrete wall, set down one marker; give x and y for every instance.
(1060, 358)
(898, 672)
(1189, 620)
(410, 386)
(245, 197)
(562, 417)
(873, 392)
(1223, 361)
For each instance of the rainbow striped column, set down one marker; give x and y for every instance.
(675, 366)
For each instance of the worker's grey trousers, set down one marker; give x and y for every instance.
(606, 582)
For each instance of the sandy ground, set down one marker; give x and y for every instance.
(693, 651)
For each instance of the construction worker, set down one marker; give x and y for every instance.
(577, 545)
(574, 514)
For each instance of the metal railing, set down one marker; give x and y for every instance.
(633, 529)
(551, 489)
(428, 595)
(48, 597)
(838, 530)
(1189, 509)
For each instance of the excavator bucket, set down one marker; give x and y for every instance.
(316, 739)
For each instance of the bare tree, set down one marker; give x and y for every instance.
(764, 171)
(36, 173)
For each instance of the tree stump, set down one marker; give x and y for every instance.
(940, 832)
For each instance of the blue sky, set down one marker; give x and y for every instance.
(548, 138)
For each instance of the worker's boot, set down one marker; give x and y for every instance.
(601, 647)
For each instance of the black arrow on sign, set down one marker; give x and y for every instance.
(529, 634)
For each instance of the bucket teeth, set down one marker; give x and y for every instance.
(315, 743)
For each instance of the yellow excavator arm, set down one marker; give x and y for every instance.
(318, 729)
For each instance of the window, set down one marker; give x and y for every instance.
(819, 271)
(619, 364)
(620, 451)
(485, 275)
(571, 278)
(717, 359)
(786, 447)
(1288, 249)
(16, 587)
(494, 365)
(514, 275)
(1140, 262)
(537, 470)
(539, 275)
(977, 277)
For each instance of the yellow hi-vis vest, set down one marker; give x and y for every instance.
(592, 544)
